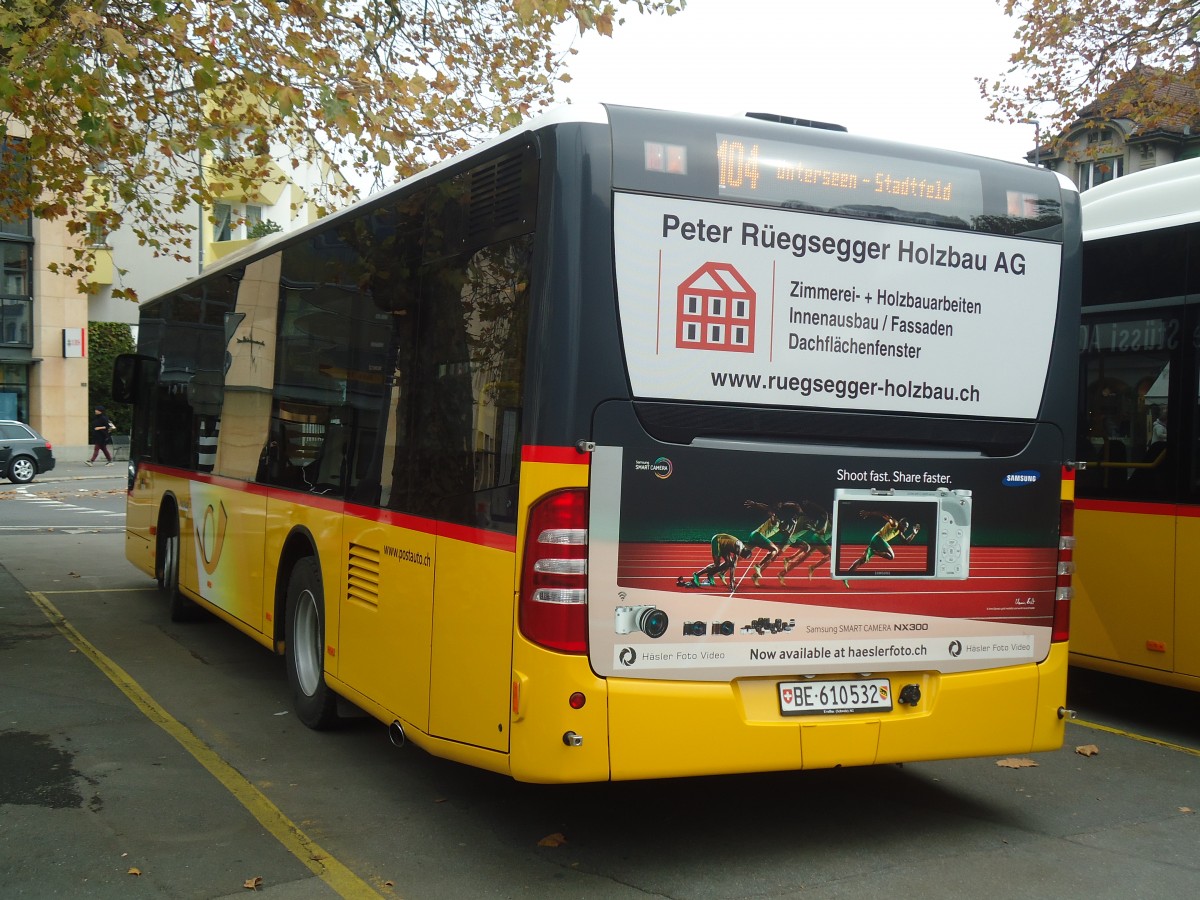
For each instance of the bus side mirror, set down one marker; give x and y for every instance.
(130, 372)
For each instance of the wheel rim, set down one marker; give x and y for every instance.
(307, 643)
(22, 469)
(170, 562)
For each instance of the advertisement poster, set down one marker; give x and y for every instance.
(710, 564)
(721, 302)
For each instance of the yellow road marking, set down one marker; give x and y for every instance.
(1136, 737)
(101, 591)
(300, 845)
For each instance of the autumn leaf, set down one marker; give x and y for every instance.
(253, 884)
(1087, 750)
(134, 870)
(1014, 763)
(1186, 810)
(1100, 59)
(149, 93)
(552, 840)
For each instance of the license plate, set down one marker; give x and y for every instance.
(816, 698)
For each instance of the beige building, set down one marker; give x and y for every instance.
(43, 322)
(44, 318)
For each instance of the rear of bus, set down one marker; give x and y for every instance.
(796, 463)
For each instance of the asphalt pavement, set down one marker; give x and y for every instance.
(102, 792)
(139, 758)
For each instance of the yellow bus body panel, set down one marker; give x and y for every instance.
(542, 684)
(1124, 588)
(661, 729)
(664, 729)
(221, 550)
(386, 621)
(472, 655)
(142, 502)
(1187, 594)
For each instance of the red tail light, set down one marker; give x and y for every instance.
(553, 608)
(1066, 568)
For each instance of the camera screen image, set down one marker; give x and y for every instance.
(901, 534)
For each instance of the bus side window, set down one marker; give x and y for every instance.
(457, 449)
(1124, 435)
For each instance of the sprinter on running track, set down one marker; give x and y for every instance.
(881, 541)
(726, 551)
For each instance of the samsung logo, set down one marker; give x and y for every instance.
(1020, 479)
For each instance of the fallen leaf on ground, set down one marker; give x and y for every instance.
(552, 840)
(253, 883)
(134, 870)
(1087, 750)
(1186, 810)
(1014, 763)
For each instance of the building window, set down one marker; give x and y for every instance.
(97, 233)
(1099, 171)
(13, 156)
(223, 226)
(14, 391)
(14, 258)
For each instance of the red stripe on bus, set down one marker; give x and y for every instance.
(465, 533)
(1141, 508)
(542, 454)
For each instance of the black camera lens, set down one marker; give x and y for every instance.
(694, 629)
(653, 622)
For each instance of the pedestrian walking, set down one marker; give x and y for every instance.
(102, 429)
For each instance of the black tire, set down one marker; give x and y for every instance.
(22, 469)
(182, 609)
(316, 704)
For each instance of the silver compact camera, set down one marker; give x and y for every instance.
(649, 620)
(902, 533)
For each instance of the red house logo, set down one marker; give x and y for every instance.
(715, 310)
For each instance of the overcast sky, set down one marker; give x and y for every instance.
(899, 69)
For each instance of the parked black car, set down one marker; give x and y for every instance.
(23, 452)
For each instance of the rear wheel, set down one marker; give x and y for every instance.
(182, 609)
(21, 470)
(316, 704)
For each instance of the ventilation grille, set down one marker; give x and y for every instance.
(362, 575)
(495, 196)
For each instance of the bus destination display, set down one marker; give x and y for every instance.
(820, 179)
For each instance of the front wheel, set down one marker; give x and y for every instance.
(21, 470)
(316, 704)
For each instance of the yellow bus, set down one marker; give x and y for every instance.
(636, 444)
(1138, 514)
